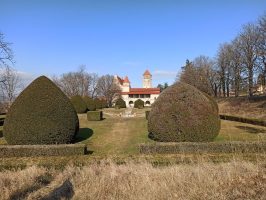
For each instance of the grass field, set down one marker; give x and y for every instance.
(121, 136)
(116, 170)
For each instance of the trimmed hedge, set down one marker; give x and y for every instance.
(79, 104)
(182, 113)
(41, 114)
(42, 150)
(120, 103)
(147, 114)
(139, 104)
(89, 103)
(94, 115)
(243, 120)
(98, 103)
(211, 147)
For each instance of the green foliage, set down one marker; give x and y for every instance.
(147, 114)
(41, 114)
(139, 104)
(183, 114)
(244, 120)
(42, 150)
(120, 103)
(208, 147)
(79, 104)
(98, 103)
(95, 115)
(104, 103)
(90, 103)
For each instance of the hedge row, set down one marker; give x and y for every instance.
(42, 150)
(244, 120)
(94, 115)
(147, 114)
(211, 147)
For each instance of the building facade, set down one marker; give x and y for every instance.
(147, 93)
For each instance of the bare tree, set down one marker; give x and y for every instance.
(75, 83)
(107, 88)
(93, 85)
(248, 40)
(200, 74)
(11, 85)
(261, 45)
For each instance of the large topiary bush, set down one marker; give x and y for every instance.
(41, 114)
(139, 104)
(120, 103)
(78, 103)
(90, 103)
(183, 114)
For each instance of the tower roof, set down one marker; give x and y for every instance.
(126, 80)
(147, 73)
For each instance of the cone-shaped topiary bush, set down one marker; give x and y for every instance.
(120, 103)
(78, 103)
(41, 114)
(90, 103)
(183, 114)
(139, 104)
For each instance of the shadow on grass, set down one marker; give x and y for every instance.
(1, 133)
(65, 191)
(251, 129)
(83, 134)
(40, 182)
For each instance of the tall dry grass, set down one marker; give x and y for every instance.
(107, 180)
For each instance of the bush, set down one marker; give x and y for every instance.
(98, 103)
(89, 103)
(139, 104)
(41, 114)
(104, 103)
(213, 102)
(244, 120)
(95, 115)
(147, 114)
(183, 114)
(210, 147)
(120, 103)
(42, 150)
(79, 104)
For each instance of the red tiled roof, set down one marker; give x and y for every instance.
(120, 80)
(147, 73)
(143, 91)
(126, 80)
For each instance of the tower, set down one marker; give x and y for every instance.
(147, 78)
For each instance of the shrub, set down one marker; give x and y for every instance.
(147, 114)
(183, 114)
(207, 147)
(213, 102)
(98, 103)
(120, 103)
(90, 103)
(139, 104)
(95, 115)
(79, 104)
(244, 120)
(42, 150)
(104, 103)
(41, 114)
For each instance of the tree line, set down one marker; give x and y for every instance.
(82, 83)
(240, 65)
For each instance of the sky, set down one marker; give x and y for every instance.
(123, 37)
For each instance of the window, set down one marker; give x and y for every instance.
(147, 96)
(130, 95)
(142, 96)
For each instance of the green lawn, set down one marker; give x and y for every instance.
(121, 136)
(118, 138)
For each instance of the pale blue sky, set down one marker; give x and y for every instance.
(120, 37)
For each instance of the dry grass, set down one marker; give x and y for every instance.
(106, 180)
